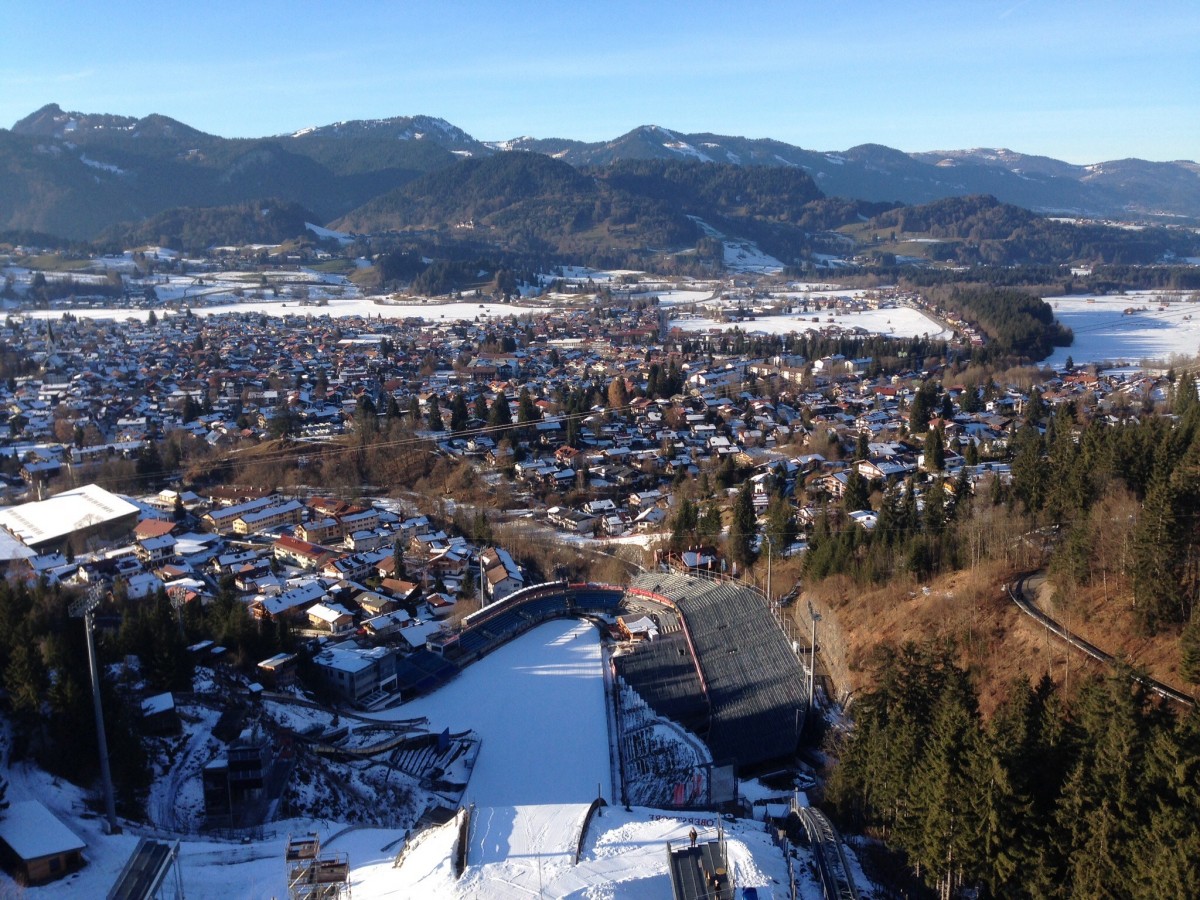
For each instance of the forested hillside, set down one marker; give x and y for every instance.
(194, 230)
(1061, 788)
(1016, 322)
(530, 203)
(981, 229)
(111, 169)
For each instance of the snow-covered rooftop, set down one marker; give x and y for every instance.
(47, 520)
(33, 831)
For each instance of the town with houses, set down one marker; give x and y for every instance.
(589, 411)
(688, 402)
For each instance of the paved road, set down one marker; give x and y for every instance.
(1020, 595)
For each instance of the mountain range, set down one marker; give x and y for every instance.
(74, 174)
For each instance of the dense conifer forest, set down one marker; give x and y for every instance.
(1093, 795)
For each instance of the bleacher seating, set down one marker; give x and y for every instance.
(493, 625)
(422, 671)
(754, 683)
(664, 674)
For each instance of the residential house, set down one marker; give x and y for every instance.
(354, 673)
(502, 576)
(330, 617)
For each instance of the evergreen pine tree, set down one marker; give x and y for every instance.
(1189, 650)
(500, 415)
(25, 679)
(683, 527)
(935, 507)
(1185, 398)
(434, 417)
(458, 413)
(618, 396)
(1001, 808)
(527, 411)
(962, 495)
(935, 449)
(742, 528)
(858, 493)
(1028, 470)
(481, 407)
(942, 836)
(1169, 845)
(709, 524)
(781, 525)
(1155, 565)
(1103, 807)
(909, 519)
(922, 407)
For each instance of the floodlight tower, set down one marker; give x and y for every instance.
(770, 544)
(85, 608)
(812, 659)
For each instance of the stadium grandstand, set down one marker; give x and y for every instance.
(743, 670)
(482, 632)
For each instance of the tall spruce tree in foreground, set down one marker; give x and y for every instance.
(858, 493)
(1189, 650)
(743, 527)
(435, 414)
(935, 449)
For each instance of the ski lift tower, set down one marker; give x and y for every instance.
(85, 608)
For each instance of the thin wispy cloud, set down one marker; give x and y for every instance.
(15, 79)
(1012, 9)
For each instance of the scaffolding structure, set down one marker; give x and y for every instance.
(313, 875)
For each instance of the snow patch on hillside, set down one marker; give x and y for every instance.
(96, 164)
(340, 236)
(683, 148)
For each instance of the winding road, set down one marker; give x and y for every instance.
(1018, 593)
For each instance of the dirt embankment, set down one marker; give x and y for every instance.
(994, 639)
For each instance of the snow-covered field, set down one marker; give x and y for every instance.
(337, 307)
(682, 297)
(898, 322)
(538, 706)
(1105, 333)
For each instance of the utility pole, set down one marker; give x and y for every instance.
(812, 661)
(85, 607)
(769, 544)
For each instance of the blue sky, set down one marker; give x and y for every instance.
(1081, 81)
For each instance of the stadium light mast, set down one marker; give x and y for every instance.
(812, 657)
(770, 544)
(85, 608)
